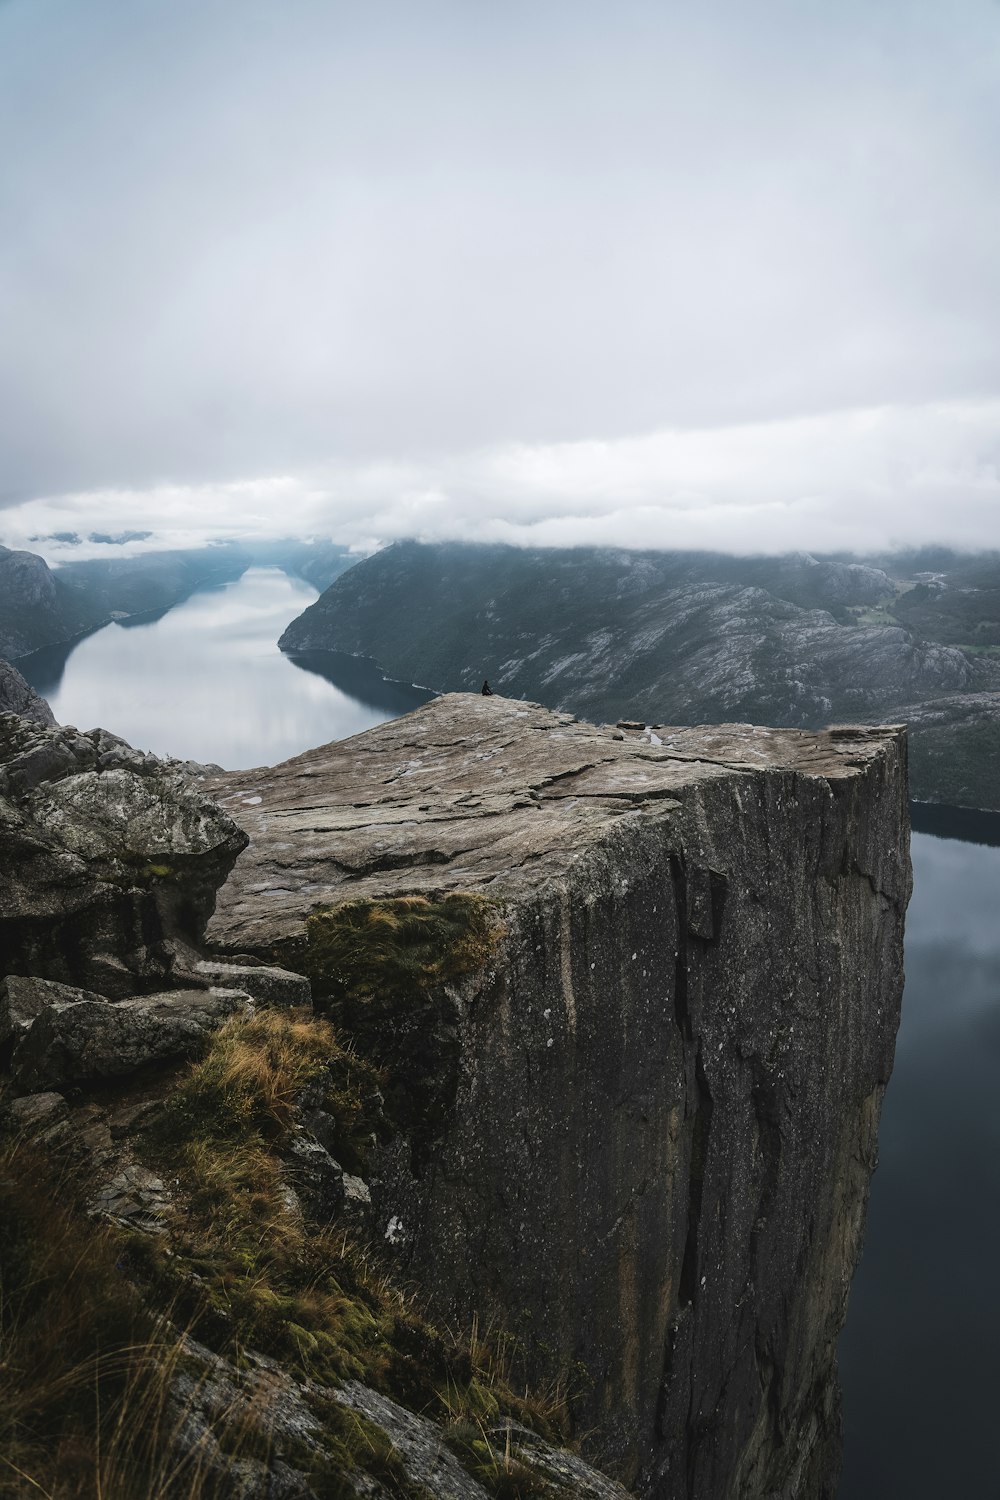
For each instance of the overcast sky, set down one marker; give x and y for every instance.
(662, 274)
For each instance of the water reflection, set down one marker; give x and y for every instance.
(918, 1355)
(206, 681)
(362, 680)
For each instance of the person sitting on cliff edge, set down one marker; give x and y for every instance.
(486, 690)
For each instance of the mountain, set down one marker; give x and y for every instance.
(18, 697)
(680, 638)
(35, 608)
(42, 606)
(148, 584)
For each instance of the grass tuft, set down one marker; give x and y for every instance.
(89, 1314)
(383, 971)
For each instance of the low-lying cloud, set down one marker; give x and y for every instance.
(864, 480)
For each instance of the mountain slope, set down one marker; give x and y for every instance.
(672, 637)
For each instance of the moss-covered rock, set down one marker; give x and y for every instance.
(385, 971)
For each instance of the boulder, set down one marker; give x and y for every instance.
(93, 1039)
(277, 989)
(37, 1112)
(105, 855)
(23, 997)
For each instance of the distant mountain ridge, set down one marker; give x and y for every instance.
(43, 606)
(691, 638)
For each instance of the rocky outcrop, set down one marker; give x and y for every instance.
(109, 856)
(656, 1095)
(82, 1038)
(177, 1149)
(17, 697)
(210, 1390)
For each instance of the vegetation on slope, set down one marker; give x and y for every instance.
(96, 1320)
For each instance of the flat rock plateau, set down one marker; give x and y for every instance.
(638, 1132)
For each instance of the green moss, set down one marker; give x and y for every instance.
(382, 971)
(405, 946)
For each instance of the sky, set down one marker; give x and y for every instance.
(551, 271)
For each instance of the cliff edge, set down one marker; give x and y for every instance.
(635, 1125)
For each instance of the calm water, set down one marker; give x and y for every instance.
(207, 682)
(919, 1361)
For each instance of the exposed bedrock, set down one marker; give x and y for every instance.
(664, 1084)
(109, 858)
(18, 697)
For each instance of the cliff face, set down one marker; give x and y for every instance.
(190, 1300)
(656, 1102)
(17, 697)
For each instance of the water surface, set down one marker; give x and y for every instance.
(919, 1361)
(205, 681)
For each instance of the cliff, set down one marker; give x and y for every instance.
(34, 609)
(634, 997)
(191, 1301)
(17, 697)
(688, 638)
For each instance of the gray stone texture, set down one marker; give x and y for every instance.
(23, 998)
(277, 989)
(17, 697)
(670, 1074)
(105, 855)
(93, 1039)
(418, 1442)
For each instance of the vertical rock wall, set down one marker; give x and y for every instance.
(656, 1167)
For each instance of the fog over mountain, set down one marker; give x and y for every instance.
(649, 275)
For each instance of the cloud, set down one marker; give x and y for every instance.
(863, 480)
(322, 238)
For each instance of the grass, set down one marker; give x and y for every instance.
(245, 1270)
(872, 615)
(86, 1365)
(91, 1316)
(362, 949)
(383, 971)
